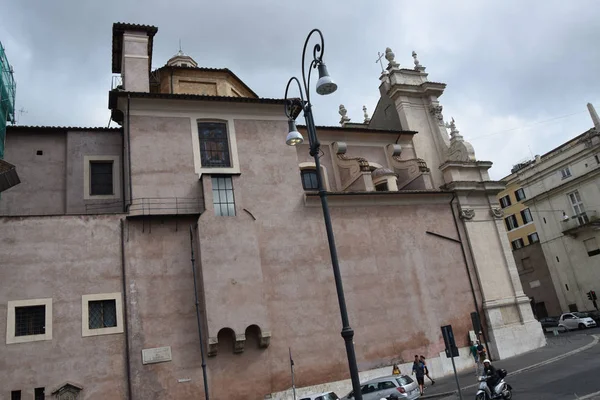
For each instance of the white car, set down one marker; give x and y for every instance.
(322, 396)
(576, 320)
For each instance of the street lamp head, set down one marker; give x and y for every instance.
(294, 137)
(325, 85)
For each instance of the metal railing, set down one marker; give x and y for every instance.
(150, 206)
(580, 220)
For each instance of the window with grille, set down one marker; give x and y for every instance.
(223, 199)
(520, 194)
(309, 179)
(15, 395)
(30, 320)
(526, 215)
(39, 394)
(511, 222)
(102, 314)
(505, 201)
(533, 238)
(101, 178)
(517, 244)
(214, 144)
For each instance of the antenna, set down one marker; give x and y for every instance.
(21, 112)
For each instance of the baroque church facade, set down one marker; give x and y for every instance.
(104, 237)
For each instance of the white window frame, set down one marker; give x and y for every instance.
(87, 179)
(232, 193)
(85, 314)
(578, 207)
(11, 338)
(565, 172)
(517, 197)
(233, 151)
(530, 235)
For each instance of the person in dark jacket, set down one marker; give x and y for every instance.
(419, 370)
(492, 375)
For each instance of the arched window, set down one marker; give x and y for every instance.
(309, 179)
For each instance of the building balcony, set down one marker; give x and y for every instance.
(165, 206)
(583, 222)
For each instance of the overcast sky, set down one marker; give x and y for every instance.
(519, 73)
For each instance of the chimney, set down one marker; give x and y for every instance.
(132, 55)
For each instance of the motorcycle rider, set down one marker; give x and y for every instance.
(492, 375)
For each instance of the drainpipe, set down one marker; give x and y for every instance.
(123, 192)
(129, 153)
(464, 254)
(198, 316)
(125, 319)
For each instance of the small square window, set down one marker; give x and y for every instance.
(533, 238)
(214, 144)
(102, 314)
(517, 244)
(565, 172)
(520, 194)
(15, 395)
(591, 246)
(505, 201)
(29, 321)
(382, 187)
(101, 178)
(223, 199)
(309, 179)
(526, 215)
(511, 222)
(39, 394)
(597, 158)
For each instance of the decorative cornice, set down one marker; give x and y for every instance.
(467, 213)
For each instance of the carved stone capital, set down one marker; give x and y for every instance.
(497, 212)
(436, 111)
(467, 213)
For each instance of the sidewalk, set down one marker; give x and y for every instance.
(557, 345)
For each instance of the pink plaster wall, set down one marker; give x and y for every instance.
(61, 258)
(401, 284)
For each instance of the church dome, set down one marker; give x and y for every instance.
(381, 172)
(182, 60)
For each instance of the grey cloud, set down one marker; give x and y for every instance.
(505, 62)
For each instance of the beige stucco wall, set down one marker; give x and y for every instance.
(61, 258)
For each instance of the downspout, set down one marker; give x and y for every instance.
(129, 153)
(464, 254)
(125, 319)
(123, 191)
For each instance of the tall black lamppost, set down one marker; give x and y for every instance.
(325, 85)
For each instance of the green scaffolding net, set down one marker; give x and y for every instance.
(7, 97)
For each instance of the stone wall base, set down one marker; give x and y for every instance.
(511, 340)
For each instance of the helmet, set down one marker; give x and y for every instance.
(393, 396)
(487, 361)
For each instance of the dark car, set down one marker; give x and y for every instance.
(549, 322)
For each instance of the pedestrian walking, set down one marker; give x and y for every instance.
(475, 356)
(422, 359)
(481, 354)
(418, 369)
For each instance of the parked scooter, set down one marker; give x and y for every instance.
(502, 390)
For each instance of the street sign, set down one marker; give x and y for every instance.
(451, 349)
